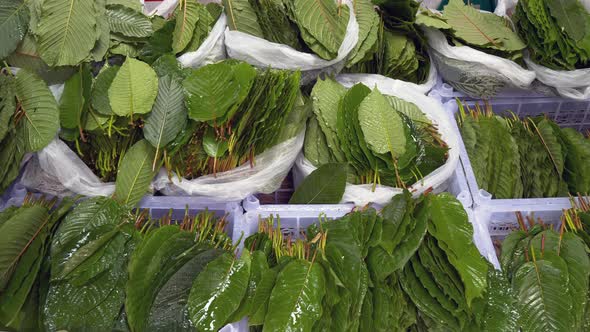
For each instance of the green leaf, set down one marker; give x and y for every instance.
(155, 259)
(128, 22)
(241, 17)
(450, 226)
(187, 16)
(432, 20)
(168, 116)
(159, 43)
(133, 89)
(135, 173)
(213, 146)
(296, 300)
(40, 122)
(369, 22)
(323, 25)
(325, 185)
(133, 4)
(211, 91)
(74, 99)
(7, 104)
(326, 95)
(218, 290)
(67, 31)
(570, 16)
(381, 125)
(541, 287)
(14, 22)
(100, 89)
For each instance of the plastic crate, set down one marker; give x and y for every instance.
(565, 113)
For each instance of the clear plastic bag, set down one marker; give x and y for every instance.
(269, 170)
(263, 53)
(363, 194)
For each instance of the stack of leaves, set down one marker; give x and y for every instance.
(464, 25)
(305, 25)
(386, 140)
(530, 158)
(557, 34)
(185, 30)
(88, 267)
(549, 273)
(29, 120)
(390, 43)
(101, 117)
(414, 265)
(54, 33)
(237, 112)
(26, 234)
(166, 265)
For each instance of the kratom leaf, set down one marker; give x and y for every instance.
(541, 287)
(14, 22)
(325, 185)
(368, 22)
(381, 125)
(324, 24)
(67, 31)
(128, 22)
(74, 99)
(7, 104)
(211, 91)
(570, 16)
(100, 90)
(40, 122)
(218, 291)
(296, 300)
(214, 147)
(168, 116)
(187, 16)
(133, 89)
(241, 17)
(133, 4)
(432, 20)
(135, 173)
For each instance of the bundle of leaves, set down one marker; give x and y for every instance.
(29, 119)
(236, 112)
(530, 158)
(549, 274)
(308, 26)
(101, 118)
(386, 140)
(26, 233)
(390, 43)
(464, 25)
(89, 253)
(184, 31)
(557, 35)
(166, 266)
(413, 266)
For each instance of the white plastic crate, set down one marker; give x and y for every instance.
(565, 113)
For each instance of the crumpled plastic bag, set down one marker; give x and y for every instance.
(263, 53)
(269, 170)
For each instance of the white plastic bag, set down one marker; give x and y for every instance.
(263, 53)
(474, 72)
(269, 170)
(213, 47)
(363, 194)
(372, 80)
(58, 171)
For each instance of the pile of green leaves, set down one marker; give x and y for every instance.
(27, 233)
(530, 158)
(316, 26)
(384, 139)
(235, 112)
(29, 120)
(549, 274)
(390, 43)
(557, 34)
(412, 267)
(464, 25)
